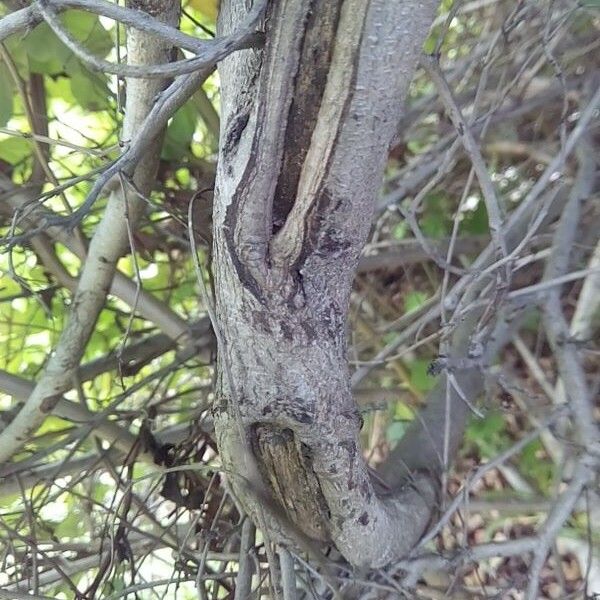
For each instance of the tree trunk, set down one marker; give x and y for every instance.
(306, 126)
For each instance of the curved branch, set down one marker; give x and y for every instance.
(289, 299)
(27, 18)
(219, 47)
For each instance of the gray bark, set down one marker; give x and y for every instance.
(306, 125)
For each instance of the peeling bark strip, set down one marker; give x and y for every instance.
(306, 127)
(309, 85)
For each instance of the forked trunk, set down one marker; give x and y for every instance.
(307, 122)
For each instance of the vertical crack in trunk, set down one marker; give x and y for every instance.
(309, 86)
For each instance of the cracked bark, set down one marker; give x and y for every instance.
(306, 125)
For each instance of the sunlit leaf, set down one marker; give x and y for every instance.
(90, 90)
(395, 431)
(15, 149)
(209, 8)
(48, 55)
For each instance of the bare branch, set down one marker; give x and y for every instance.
(243, 582)
(585, 472)
(212, 51)
(569, 364)
(27, 18)
(35, 216)
(490, 196)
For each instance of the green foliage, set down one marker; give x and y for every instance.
(49, 56)
(419, 377)
(400, 231)
(73, 525)
(395, 431)
(6, 95)
(180, 132)
(435, 222)
(475, 221)
(414, 300)
(15, 150)
(535, 465)
(487, 436)
(89, 90)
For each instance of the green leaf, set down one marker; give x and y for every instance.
(487, 435)
(59, 88)
(533, 465)
(16, 49)
(48, 55)
(71, 526)
(476, 221)
(414, 300)
(89, 90)
(434, 225)
(13, 150)
(6, 95)
(403, 412)
(419, 377)
(400, 230)
(86, 28)
(180, 132)
(430, 44)
(434, 222)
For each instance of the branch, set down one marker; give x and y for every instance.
(473, 151)
(315, 213)
(437, 431)
(409, 252)
(335, 191)
(243, 581)
(219, 48)
(26, 478)
(569, 364)
(28, 18)
(452, 561)
(588, 303)
(106, 430)
(108, 244)
(481, 471)
(518, 231)
(585, 472)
